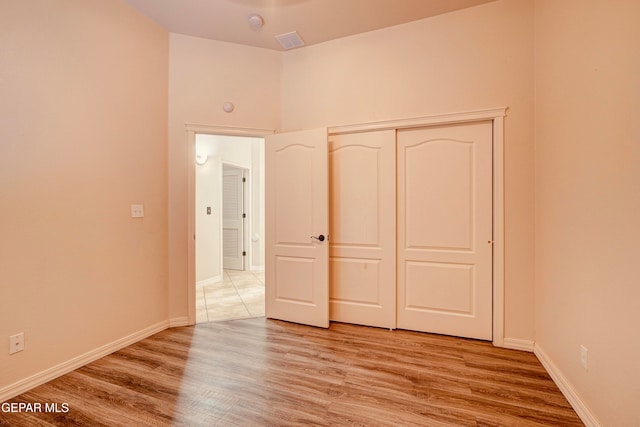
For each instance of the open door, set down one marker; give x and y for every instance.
(297, 222)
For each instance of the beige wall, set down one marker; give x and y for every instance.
(588, 199)
(476, 58)
(203, 74)
(83, 125)
(83, 131)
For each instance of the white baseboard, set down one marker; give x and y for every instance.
(518, 344)
(257, 268)
(566, 388)
(179, 321)
(54, 372)
(209, 281)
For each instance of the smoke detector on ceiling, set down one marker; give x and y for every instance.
(290, 40)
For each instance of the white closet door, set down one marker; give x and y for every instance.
(362, 250)
(232, 217)
(297, 216)
(445, 230)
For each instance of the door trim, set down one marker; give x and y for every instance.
(440, 119)
(496, 116)
(191, 131)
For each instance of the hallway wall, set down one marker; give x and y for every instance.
(237, 151)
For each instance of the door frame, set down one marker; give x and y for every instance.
(496, 117)
(191, 131)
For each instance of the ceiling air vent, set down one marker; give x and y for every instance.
(290, 40)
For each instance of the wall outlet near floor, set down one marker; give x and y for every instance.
(584, 356)
(16, 343)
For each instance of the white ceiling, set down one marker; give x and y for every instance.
(315, 20)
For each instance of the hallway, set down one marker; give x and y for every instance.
(239, 295)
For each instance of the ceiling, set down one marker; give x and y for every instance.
(316, 21)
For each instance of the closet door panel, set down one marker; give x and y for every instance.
(362, 228)
(445, 230)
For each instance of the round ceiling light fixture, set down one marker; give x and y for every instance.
(255, 21)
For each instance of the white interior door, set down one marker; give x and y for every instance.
(297, 222)
(362, 250)
(445, 230)
(233, 217)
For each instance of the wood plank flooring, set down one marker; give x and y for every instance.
(259, 372)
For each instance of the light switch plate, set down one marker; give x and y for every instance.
(137, 211)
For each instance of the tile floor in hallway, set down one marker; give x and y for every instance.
(239, 295)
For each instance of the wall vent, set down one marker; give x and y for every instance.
(290, 40)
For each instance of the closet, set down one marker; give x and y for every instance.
(389, 227)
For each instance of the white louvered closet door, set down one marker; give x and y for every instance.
(232, 220)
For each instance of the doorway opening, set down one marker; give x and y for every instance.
(229, 227)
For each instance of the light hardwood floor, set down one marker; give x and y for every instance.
(259, 372)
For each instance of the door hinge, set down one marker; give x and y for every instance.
(244, 215)
(244, 253)
(244, 179)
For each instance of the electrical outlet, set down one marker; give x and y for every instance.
(584, 356)
(16, 343)
(137, 211)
